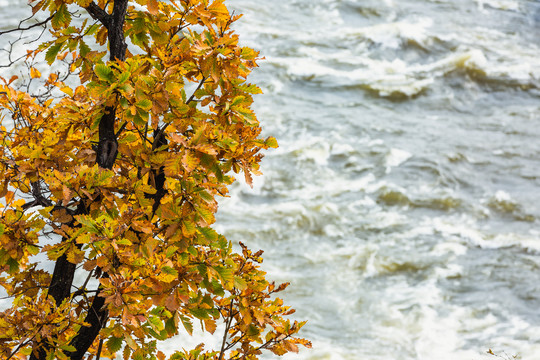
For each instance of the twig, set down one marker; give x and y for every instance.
(198, 87)
(19, 28)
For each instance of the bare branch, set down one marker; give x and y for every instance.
(19, 28)
(198, 87)
(99, 14)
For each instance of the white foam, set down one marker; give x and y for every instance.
(501, 195)
(394, 34)
(397, 157)
(449, 248)
(466, 230)
(399, 77)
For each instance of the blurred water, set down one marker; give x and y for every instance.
(403, 201)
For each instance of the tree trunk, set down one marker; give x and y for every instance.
(107, 149)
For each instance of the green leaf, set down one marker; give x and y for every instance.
(104, 72)
(138, 355)
(251, 88)
(209, 37)
(170, 326)
(69, 348)
(217, 171)
(124, 241)
(239, 283)
(237, 100)
(129, 138)
(114, 343)
(92, 29)
(206, 214)
(123, 77)
(224, 243)
(217, 288)
(72, 44)
(83, 48)
(33, 250)
(208, 233)
(13, 265)
(225, 274)
(62, 17)
(253, 330)
(70, 30)
(138, 120)
(247, 116)
(200, 313)
(169, 270)
(192, 250)
(206, 196)
(162, 335)
(144, 104)
(271, 142)
(187, 324)
(50, 355)
(170, 251)
(52, 52)
(188, 228)
(155, 323)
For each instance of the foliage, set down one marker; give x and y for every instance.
(111, 169)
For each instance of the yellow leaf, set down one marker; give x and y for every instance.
(34, 73)
(18, 203)
(131, 343)
(188, 228)
(67, 90)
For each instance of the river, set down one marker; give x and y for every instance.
(403, 201)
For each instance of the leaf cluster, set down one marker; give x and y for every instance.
(140, 231)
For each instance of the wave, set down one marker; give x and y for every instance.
(395, 79)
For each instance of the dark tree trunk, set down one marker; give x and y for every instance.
(107, 149)
(97, 317)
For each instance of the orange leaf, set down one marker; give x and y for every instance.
(290, 346)
(210, 325)
(9, 197)
(152, 7)
(66, 192)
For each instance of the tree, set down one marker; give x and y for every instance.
(111, 169)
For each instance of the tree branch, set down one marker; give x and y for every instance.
(99, 14)
(96, 317)
(19, 28)
(192, 97)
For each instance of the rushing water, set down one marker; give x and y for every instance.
(403, 202)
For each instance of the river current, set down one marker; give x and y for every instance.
(403, 201)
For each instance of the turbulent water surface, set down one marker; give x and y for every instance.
(403, 202)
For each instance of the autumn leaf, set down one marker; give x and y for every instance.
(34, 73)
(152, 7)
(112, 166)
